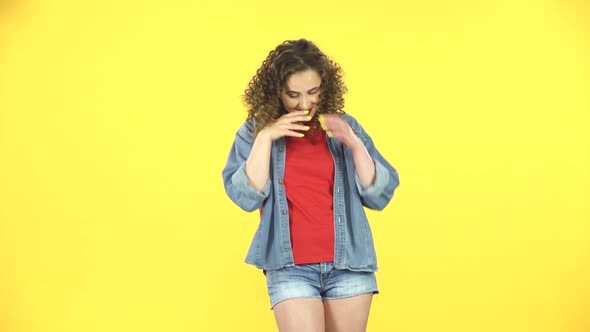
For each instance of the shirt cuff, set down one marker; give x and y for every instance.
(381, 180)
(240, 180)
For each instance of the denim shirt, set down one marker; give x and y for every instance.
(353, 242)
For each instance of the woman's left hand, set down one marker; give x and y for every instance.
(341, 130)
(365, 167)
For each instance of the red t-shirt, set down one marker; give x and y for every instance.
(309, 187)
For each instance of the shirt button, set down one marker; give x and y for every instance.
(281, 181)
(284, 212)
(281, 148)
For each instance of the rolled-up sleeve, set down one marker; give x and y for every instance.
(240, 181)
(235, 180)
(379, 194)
(378, 186)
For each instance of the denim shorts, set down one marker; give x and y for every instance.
(320, 280)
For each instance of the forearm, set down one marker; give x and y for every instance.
(258, 162)
(365, 167)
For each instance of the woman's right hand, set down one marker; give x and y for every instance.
(286, 125)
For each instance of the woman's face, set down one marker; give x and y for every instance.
(302, 92)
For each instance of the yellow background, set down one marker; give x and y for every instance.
(116, 118)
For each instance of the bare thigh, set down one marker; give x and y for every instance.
(300, 315)
(348, 315)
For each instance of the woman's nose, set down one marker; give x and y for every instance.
(305, 103)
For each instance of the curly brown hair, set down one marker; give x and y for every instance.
(262, 97)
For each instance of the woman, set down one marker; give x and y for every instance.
(313, 241)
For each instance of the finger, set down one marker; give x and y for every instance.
(298, 127)
(295, 114)
(294, 127)
(333, 120)
(332, 117)
(298, 118)
(338, 125)
(293, 133)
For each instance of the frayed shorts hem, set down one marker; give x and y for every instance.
(318, 281)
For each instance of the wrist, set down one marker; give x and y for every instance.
(264, 136)
(357, 146)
